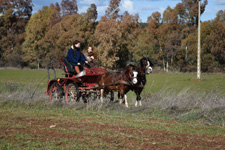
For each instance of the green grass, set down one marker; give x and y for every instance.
(24, 77)
(175, 83)
(28, 127)
(26, 124)
(178, 82)
(155, 82)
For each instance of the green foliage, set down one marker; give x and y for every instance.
(143, 47)
(107, 39)
(36, 30)
(114, 40)
(49, 37)
(12, 25)
(167, 38)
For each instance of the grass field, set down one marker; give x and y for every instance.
(37, 127)
(178, 112)
(156, 82)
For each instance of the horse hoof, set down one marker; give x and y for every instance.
(136, 104)
(120, 102)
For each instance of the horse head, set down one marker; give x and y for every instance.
(131, 74)
(146, 65)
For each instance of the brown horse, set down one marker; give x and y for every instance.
(143, 68)
(119, 81)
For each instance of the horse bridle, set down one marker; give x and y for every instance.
(147, 67)
(135, 73)
(131, 77)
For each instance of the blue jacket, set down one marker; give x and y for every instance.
(78, 57)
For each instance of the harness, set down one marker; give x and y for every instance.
(120, 81)
(125, 81)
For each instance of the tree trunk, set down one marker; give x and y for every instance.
(167, 66)
(164, 66)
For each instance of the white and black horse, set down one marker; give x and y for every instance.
(143, 68)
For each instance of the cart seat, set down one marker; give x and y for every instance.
(68, 67)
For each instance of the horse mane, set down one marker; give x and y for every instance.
(128, 66)
(144, 58)
(142, 63)
(131, 65)
(151, 64)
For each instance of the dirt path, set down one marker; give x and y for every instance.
(100, 135)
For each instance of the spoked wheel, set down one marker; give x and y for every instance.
(55, 92)
(72, 93)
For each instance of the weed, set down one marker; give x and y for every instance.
(166, 96)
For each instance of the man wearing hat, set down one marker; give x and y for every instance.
(75, 57)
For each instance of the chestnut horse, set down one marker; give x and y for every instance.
(119, 81)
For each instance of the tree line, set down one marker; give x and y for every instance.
(118, 38)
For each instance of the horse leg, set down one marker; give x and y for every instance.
(121, 99)
(101, 95)
(126, 103)
(140, 103)
(138, 99)
(118, 95)
(123, 96)
(112, 96)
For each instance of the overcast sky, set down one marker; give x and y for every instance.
(143, 7)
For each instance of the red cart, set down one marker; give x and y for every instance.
(74, 86)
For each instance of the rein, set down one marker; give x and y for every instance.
(120, 81)
(127, 81)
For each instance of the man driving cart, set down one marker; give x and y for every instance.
(76, 57)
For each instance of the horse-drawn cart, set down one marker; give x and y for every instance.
(74, 86)
(94, 81)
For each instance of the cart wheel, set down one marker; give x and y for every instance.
(55, 92)
(72, 93)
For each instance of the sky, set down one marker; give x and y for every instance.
(144, 8)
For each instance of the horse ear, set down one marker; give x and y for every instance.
(142, 62)
(151, 64)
